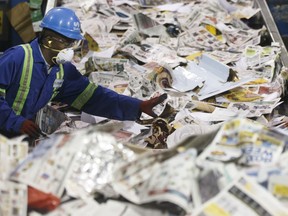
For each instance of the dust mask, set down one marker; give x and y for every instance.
(65, 55)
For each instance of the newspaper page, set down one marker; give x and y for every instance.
(246, 142)
(224, 57)
(13, 199)
(12, 151)
(255, 56)
(202, 39)
(278, 187)
(149, 180)
(150, 3)
(100, 23)
(237, 39)
(153, 53)
(106, 40)
(241, 94)
(147, 25)
(273, 178)
(194, 18)
(49, 119)
(47, 166)
(131, 36)
(89, 207)
(116, 81)
(242, 197)
(260, 61)
(109, 64)
(253, 109)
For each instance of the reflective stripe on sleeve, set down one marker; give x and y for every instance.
(82, 99)
(2, 92)
(59, 76)
(25, 80)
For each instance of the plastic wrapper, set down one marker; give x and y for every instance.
(95, 163)
(87, 157)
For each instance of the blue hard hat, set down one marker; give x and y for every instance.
(64, 21)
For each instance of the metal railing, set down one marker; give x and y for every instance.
(272, 28)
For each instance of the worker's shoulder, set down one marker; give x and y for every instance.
(15, 53)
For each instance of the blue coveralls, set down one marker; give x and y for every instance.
(103, 102)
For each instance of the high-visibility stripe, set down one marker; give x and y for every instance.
(2, 92)
(59, 76)
(24, 81)
(82, 99)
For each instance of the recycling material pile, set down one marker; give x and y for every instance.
(218, 146)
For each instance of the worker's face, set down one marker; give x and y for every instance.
(59, 47)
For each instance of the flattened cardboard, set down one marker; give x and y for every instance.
(20, 18)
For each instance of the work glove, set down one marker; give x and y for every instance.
(30, 128)
(41, 202)
(147, 106)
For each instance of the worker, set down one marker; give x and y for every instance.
(33, 74)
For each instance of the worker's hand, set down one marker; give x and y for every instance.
(30, 128)
(147, 106)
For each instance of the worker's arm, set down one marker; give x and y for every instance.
(9, 121)
(100, 101)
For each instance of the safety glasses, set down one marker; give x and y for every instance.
(61, 43)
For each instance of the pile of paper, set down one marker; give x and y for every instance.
(242, 166)
(194, 51)
(219, 144)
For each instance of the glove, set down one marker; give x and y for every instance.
(147, 106)
(30, 128)
(41, 202)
